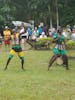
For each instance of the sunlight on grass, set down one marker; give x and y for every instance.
(36, 83)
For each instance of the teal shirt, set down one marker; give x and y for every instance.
(60, 40)
(58, 44)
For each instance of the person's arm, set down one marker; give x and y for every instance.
(22, 31)
(29, 43)
(55, 39)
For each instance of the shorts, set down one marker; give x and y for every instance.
(60, 52)
(7, 42)
(16, 49)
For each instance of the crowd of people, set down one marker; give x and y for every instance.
(42, 31)
(18, 37)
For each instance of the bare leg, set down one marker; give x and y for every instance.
(22, 62)
(65, 61)
(8, 61)
(52, 60)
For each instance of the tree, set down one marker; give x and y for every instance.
(56, 12)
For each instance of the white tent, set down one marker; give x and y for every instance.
(18, 23)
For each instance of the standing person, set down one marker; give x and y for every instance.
(29, 33)
(39, 31)
(23, 36)
(16, 48)
(43, 35)
(68, 32)
(34, 34)
(59, 49)
(45, 29)
(7, 35)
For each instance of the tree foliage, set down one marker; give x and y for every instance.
(38, 10)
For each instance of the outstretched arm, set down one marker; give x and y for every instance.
(29, 43)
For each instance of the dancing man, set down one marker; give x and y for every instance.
(16, 48)
(59, 49)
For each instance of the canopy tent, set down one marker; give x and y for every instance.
(18, 23)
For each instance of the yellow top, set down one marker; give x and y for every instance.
(15, 39)
(7, 34)
(12, 36)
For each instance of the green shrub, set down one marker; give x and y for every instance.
(42, 41)
(70, 44)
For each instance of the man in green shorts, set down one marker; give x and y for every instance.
(59, 49)
(16, 48)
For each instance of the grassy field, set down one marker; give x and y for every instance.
(36, 83)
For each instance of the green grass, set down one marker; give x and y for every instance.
(36, 83)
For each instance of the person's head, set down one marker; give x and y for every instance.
(43, 33)
(22, 24)
(13, 31)
(6, 27)
(35, 28)
(60, 30)
(74, 26)
(68, 26)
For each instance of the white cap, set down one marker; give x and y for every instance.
(6, 27)
(43, 33)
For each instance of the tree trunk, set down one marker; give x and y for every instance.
(57, 14)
